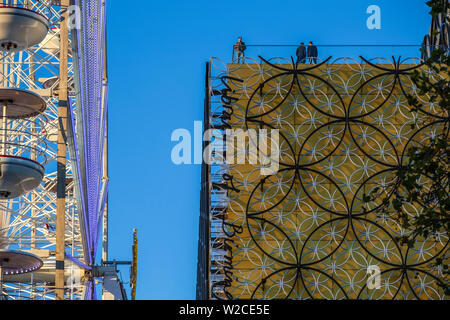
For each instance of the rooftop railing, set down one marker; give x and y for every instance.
(409, 53)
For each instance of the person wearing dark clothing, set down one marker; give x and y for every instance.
(312, 53)
(301, 53)
(239, 47)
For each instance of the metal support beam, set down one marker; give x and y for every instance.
(105, 178)
(4, 127)
(105, 169)
(1, 282)
(112, 286)
(62, 152)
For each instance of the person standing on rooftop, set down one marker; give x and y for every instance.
(239, 47)
(301, 53)
(312, 53)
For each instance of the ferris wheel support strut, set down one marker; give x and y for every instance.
(62, 152)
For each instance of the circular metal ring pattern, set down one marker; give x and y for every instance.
(344, 126)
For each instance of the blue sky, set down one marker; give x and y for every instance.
(156, 58)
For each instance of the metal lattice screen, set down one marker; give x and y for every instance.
(302, 233)
(28, 223)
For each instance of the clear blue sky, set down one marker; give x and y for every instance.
(156, 58)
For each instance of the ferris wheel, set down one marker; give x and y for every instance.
(53, 151)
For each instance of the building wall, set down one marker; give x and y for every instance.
(303, 232)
